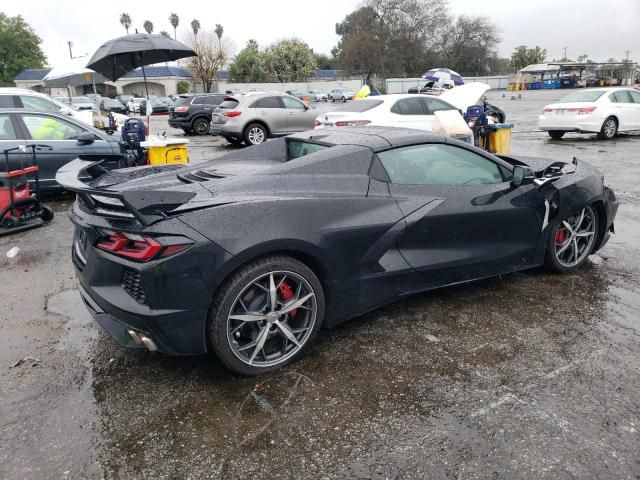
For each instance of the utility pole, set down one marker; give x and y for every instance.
(627, 52)
(70, 43)
(564, 57)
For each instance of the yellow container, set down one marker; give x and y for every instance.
(167, 155)
(500, 140)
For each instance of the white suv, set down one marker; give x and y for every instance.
(24, 98)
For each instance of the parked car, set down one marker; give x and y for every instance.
(254, 117)
(249, 255)
(29, 99)
(167, 101)
(124, 99)
(158, 107)
(192, 113)
(317, 96)
(340, 94)
(61, 138)
(112, 105)
(82, 103)
(604, 111)
(401, 110)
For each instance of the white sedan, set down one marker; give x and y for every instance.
(402, 110)
(605, 111)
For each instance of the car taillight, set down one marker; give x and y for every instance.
(232, 113)
(585, 110)
(547, 110)
(139, 248)
(181, 109)
(317, 123)
(352, 123)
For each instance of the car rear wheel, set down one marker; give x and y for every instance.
(201, 126)
(255, 134)
(233, 140)
(556, 134)
(572, 241)
(609, 129)
(265, 315)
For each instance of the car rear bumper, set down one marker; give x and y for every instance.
(179, 122)
(570, 123)
(165, 300)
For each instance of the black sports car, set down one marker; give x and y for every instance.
(250, 254)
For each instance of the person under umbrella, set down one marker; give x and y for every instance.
(443, 76)
(119, 56)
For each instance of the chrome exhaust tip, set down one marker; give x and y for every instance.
(135, 337)
(147, 342)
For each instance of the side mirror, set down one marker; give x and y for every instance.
(86, 138)
(521, 176)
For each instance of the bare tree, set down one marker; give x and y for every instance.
(195, 26)
(148, 26)
(212, 55)
(125, 21)
(174, 20)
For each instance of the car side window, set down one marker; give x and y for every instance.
(213, 100)
(433, 105)
(267, 102)
(198, 101)
(37, 103)
(291, 103)
(439, 164)
(635, 96)
(409, 106)
(7, 132)
(622, 97)
(42, 127)
(6, 101)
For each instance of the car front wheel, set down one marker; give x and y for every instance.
(609, 129)
(265, 315)
(572, 241)
(556, 134)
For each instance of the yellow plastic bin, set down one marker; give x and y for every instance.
(166, 151)
(500, 138)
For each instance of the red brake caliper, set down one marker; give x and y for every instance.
(561, 235)
(286, 292)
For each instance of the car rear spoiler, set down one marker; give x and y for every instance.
(147, 206)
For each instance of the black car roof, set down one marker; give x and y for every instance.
(376, 138)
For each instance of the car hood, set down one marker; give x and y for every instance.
(465, 95)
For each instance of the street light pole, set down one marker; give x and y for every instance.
(564, 57)
(70, 43)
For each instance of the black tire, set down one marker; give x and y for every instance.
(225, 300)
(556, 134)
(609, 129)
(552, 261)
(233, 140)
(10, 221)
(344, 99)
(46, 214)
(200, 126)
(252, 136)
(333, 100)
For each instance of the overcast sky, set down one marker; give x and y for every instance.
(599, 28)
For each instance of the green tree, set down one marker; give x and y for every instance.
(164, 33)
(183, 87)
(174, 20)
(326, 62)
(523, 56)
(291, 60)
(125, 21)
(195, 26)
(250, 65)
(19, 48)
(148, 26)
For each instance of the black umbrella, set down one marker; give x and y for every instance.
(117, 57)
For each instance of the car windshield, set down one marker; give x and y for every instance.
(181, 101)
(229, 103)
(359, 106)
(299, 148)
(582, 96)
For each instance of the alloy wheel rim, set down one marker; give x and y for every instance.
(201, 127)
(256, 135)
(610, 128)
(575, 237)
(271, 319)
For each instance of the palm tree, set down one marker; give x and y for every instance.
(148, 26)
(219, 31)
(125, 21)
(174, 20)
(195, 26)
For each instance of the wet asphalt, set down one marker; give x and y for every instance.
(531, 375)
